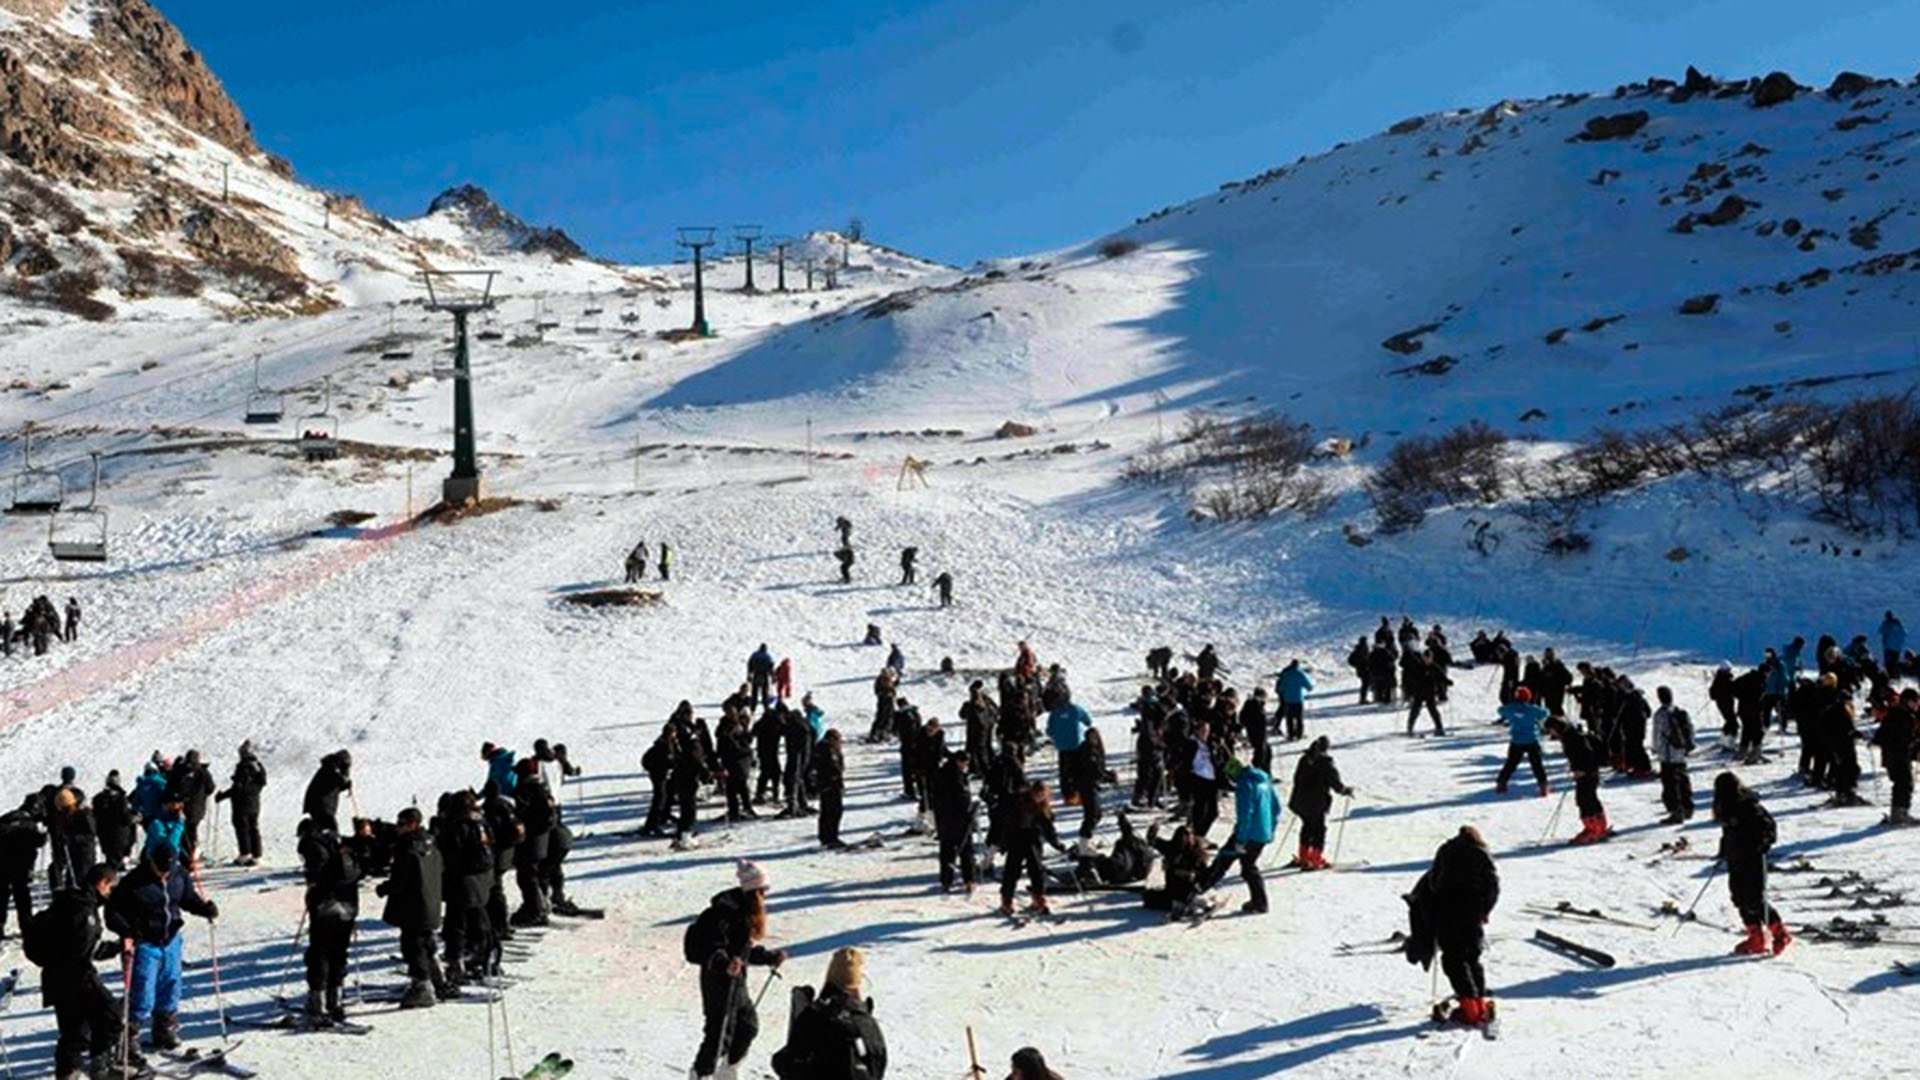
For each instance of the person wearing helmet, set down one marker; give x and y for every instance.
(1523, 719)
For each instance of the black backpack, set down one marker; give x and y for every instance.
(704, 937)
(36, 937)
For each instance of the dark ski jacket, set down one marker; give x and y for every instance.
(249, 779)
(413, 891)
(147, 909)
(735, 935)
(1747, 832)
(835, 1038)
(1315, 781)
(73, 927)
(323, 791)
(332, 876)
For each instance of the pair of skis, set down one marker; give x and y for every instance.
(198, 1062)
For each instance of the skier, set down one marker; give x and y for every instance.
(65, 942)
(1630, 731)
(1837, 734)
(845, 529)
(413, 895)
(978, 715)
(637, 563)
(1183, 861)
(1207, 664)
(1720, 692)
(193, 782)
(72, 850)
(951, 799)
(1315, 781)
(907, 556)
(1292, 687)
(1523, 719)
(844, 556)
(332, 876)
(501, 767)
(1584, 757)
(783, 679)
(1031, 824)
(767, 735)
(943, 587)
(688, 771)
(113, 821)
(1459, 892)
(897, 660)
(249, 779)
(1256, 813)
(1554, 681)
(883, 704)
(830, 781)
(70, 633)
(835, 1037)
(1202, 778)
(533, 807)
(1028, 1064)
(735, 743)
(724, 940)
(1746, 835)
(666, 561)
(797, 729)
(1381, 670)
(466, 856)
(1361, 661)
(1067, 726)
(1895, 737)
(20, 838)
(1159, 662)
(760, 676)
(1423, 682)
(334, 776)
(1673, 738)
(144, 908)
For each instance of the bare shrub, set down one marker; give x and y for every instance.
(1425, 471)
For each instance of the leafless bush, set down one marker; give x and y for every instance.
(1256, 466)
(1423, 471)
(1864, 458)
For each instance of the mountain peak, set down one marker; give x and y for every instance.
(497, 226)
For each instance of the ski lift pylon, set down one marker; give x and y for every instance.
(80, 534)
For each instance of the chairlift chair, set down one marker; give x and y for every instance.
(35, 490)
(490, 330)
(80, 534)
(264, 406)
(396, 349)
(320, 432)
(593, 307)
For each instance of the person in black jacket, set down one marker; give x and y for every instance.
(413, 894)
(113, 822)
(836, 1037)
(1424, 682)
(1184, 862)
(657, 762)
(466, 859)
(1746, 835)
(798, 735)
(952, 800)
(1899, 726)
(330, 780)
(87, 1014)
(735, 742)
(533, 806)
(333, 906)
(737, 919)
(72, 849)
(767, 736)
(1461, 889)
(1381, 671)
(1316, 779)
(1584, 759)
(193, 783)
(21, 835)
(688, 772)
(1030, 824)
(243, 791)
(1253, 724)
(146, 909)
(504, 832)
(829, 769)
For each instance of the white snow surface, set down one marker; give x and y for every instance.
(231, 610)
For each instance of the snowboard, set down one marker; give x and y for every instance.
(1574, 949)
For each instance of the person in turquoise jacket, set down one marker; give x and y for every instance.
(816, 719)
(1256, 814)
(1523, 719)
(1292, 688)
(500, 771)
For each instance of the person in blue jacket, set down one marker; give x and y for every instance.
(500, 771)
(1256, 813)
(1523, 719)
(1292, 687)
(145, 909)
(1893, 643)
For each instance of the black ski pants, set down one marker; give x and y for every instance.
(416, 948)
(1747, 881)
(769, 783)
(956, 853)
(1023, 857)
(831, 808)
(1676, 789)
(1460, 947)
(1425, 701)
(327, 944)
(1586, 795)
(798, 758)
(1149, 776)
(1248, 856)
(1313, 830)
(723, 996)
(1516, 751)
(87, 1014)
(1899, 770)
(20, 892)
(246, 829)
(1293, 720)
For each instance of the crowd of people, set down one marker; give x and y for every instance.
(40, 626)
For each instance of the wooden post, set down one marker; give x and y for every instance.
(973, 1056)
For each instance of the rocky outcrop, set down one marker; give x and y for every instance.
(482, 215)
(1777, 88)
(147, 55)
(1618, 126)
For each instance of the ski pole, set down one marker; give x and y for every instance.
(1553, 819)
(1687, 915)
(126, 1007)
(1346, 810)
(975, 1072)
(214, 840)
(1282, 845)
(506, 1034)
(493, 996)
(219, 996)
(771, 975)
(293, 951)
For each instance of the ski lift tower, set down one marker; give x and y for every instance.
(780, 244)
(460, 293)
(699, 238)
(748, 235)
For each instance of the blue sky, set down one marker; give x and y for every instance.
(958, 129)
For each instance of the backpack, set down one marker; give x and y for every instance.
(704, 937)
(37, 937)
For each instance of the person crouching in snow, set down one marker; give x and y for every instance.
(1746, 835)
(726, 939)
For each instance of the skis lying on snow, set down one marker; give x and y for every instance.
(1873, 930)
(1907, 968)
(295, 1022)
(1564, 909)
(551, 1067)
(1574, 949)
(1393, 943)
(198, 1061)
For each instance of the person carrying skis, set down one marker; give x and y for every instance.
(144, 909)
(1256, 813)
(1584, 758)
(1292, 686)
(65, 942)
(760, 676)
(413, 893)
(1747, 833)
(1899, 726)
(243, 791)
(1673, 740)
(836, 1036)
(724, 941)
(1460, 891)
(943, 588)
(1316, 779)
(1523, 719)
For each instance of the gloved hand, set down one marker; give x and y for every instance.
(106, 950)
(213, 911)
